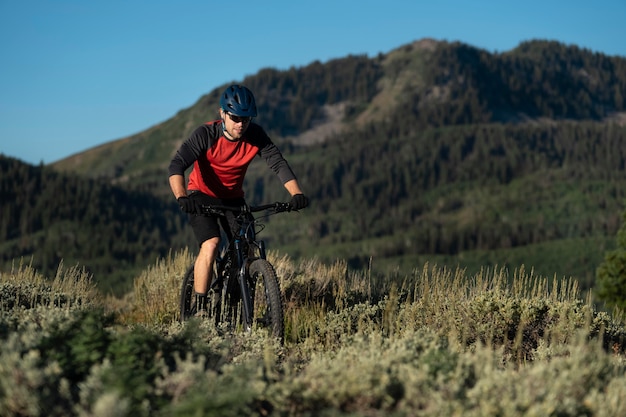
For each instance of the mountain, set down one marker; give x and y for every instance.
(430, 83)
(434, 152)
(50, 217)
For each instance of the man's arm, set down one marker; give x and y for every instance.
(293, 187)
(177, 184)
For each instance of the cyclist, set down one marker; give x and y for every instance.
(221, 151)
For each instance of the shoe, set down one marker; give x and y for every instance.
(200, 306)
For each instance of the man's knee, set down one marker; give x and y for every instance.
(209, 247)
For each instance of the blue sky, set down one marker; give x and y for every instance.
(76, 74)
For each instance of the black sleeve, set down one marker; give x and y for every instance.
(198, 143)
(272, 155)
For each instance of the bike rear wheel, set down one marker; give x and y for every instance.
(267, 298)
(187, 307)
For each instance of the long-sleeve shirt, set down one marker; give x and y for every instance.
(220, 165)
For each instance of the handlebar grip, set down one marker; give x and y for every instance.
(281, 207)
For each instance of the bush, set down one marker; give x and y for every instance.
(611, 275)
(436, 343)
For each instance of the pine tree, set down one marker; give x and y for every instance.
(611, 274)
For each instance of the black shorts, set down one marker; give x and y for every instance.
(206, 227)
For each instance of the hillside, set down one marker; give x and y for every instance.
(429, 83)
(49, 218)
(435, 151)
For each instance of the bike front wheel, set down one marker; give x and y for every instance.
(267, 298)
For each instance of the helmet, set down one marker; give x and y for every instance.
(239, 101)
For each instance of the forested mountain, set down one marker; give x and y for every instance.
(435, 151)
(420, 85)
(48, 217)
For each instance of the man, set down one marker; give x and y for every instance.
(221, 152)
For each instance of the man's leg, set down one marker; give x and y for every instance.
(203, 267)
(203, 270)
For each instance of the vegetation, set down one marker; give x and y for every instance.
(417, 86)
(437, 342)
(612, 273)
(549, 197)
(48, 217)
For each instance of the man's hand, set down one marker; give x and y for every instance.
(187, 205)
(298, 202)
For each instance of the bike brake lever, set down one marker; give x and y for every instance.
(280, 207)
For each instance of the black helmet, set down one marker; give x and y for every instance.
(239, 101)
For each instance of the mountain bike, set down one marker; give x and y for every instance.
(245, 290)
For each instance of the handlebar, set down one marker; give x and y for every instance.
(277, 207)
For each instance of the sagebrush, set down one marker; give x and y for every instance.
(437, 342)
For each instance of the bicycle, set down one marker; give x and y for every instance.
(245, 289)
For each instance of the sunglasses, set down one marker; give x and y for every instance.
(238, 119)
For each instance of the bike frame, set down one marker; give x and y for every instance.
(240, 243)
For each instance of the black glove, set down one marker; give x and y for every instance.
(299, 201)
(187, 205)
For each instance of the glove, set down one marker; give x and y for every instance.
(299, 201)
(187, 205)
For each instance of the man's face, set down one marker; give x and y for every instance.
(235, 125)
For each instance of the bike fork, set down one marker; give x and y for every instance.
(246, 297)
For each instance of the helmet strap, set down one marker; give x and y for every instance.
(227, 134)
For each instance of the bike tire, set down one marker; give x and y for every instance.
(222, 304)
(267, 298)
(187, 302)
(187, 308)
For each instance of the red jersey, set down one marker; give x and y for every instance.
(220, 165)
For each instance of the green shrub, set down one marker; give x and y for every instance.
(435, 343)
(611, 274)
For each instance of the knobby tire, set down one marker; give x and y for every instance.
(267, 298)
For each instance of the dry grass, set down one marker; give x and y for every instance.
(24, 287)
(435, 343)
(156, 292)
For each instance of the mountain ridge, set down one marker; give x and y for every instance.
(409, 66)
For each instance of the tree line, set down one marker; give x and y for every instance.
(467, 187)
(48, 217)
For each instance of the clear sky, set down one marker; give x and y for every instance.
(76, 74)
